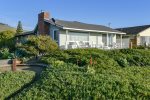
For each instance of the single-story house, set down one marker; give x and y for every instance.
(74, 34)
(137, 36)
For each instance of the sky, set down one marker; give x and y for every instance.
(120, 13)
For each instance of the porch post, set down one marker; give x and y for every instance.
(66, 47)
(107, 40)
(121, 41)
(89, 36)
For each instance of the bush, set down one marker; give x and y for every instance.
(11, 82)
(131, 57)
(68, 81)
(7, 40)
(5, 54)
(114, 74)
(38, 45)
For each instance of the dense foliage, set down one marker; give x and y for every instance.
(109, 76)
(37, 45)
(10, 82)
(7, 40)
(5, 54)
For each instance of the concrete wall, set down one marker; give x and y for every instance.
(6, 62)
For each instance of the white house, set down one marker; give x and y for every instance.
(74, 34)
(137, 35)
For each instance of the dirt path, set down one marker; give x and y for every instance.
(36, 69)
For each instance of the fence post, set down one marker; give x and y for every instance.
(131, 45)
(14, 64)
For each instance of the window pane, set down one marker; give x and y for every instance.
(56, 36)
(78, 36)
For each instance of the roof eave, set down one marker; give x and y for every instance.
(86, 30)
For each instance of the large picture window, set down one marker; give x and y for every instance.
(74, 36)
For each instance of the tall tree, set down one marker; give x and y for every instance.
(19, 28)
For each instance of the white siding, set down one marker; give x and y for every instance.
(99, 38)
(125, 42)
(78, 36)
(62, 39)
(93, 37)
(145, 32)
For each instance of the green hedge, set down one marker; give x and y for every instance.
(68, 81)
(111, 76)
(11, 82)
(131, 57)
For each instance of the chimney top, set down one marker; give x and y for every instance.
(44, 15)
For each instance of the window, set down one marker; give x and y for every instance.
(78, 36)
(56, 36)
(110, 39)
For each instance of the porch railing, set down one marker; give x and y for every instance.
(90, 44)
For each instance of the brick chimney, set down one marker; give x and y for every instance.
(43, 28)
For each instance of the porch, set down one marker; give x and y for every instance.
(92, 40)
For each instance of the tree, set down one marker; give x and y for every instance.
(19, 28)
(7, 39)
(39, 45)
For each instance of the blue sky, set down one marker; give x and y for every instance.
(120, 13)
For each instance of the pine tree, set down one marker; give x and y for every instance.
(19, 28)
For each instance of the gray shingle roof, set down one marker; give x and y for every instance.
(134, 30)
(26, 33)
(85, 26)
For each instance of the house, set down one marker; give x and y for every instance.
(136, 36)
(74, 34)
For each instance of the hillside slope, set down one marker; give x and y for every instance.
(4, 27)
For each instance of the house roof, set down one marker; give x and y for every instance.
(134, 30)
(82, 26)
(26, 33)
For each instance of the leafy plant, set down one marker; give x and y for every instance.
(5, 54)
(10, 82)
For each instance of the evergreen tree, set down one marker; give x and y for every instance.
(19, 28)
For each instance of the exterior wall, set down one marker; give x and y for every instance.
(99, 39)
(145, 32)
(125, 41)
(52, 28)
(62, 39)
(93, 37)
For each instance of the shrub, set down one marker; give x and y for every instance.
(11, 82)
(111, 76)
(7, 40)
(5, 54)
(68, 81)
(38, 45)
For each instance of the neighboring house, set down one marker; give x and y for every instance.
(136, 36)
(73, 34)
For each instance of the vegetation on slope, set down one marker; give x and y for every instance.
(10, 82)
(4, 27)
(71, 76)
